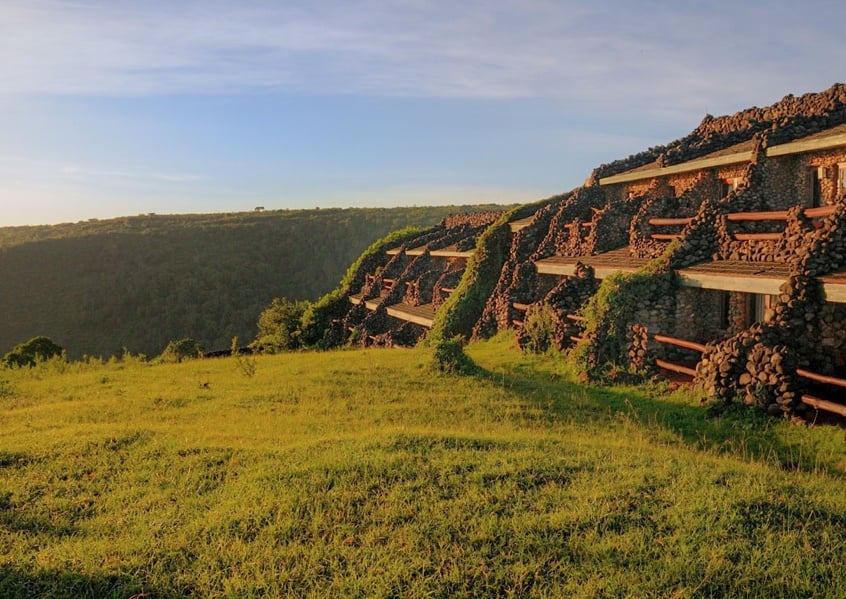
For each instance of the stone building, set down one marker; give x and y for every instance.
(725, 252)
(739, 225)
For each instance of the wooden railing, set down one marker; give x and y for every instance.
(771, 215)
(819, 403)
(683, 343)
(820, 212)
(388, 284)
(668, 222)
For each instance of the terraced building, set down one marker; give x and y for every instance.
(719, 257)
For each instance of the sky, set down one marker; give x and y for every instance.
(119, 107)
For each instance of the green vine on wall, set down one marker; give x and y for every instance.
(464, 307)
(610, 312)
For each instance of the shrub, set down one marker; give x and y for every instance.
(37, 349)
(184, 349)
(448, 356)
(538, 333)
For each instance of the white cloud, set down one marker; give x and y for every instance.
(607, 53)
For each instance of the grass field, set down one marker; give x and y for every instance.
(364, 474)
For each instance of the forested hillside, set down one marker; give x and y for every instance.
(97, 287)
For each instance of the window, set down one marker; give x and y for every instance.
(841, 179)
(815, 191)
(729, 185)
(758, 306)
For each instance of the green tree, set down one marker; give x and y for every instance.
(279, 325)
(37, 349)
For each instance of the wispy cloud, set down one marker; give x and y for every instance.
(24, 169)
(573, 51)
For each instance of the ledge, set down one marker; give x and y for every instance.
(765, 278)
(422, 315)
(519, 225)
(684, 167)
(451, 251)
(808, 145)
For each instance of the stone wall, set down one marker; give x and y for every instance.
(700, 314)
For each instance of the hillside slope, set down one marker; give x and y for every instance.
(97, 287)
(363, 474)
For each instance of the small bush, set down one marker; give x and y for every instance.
(184, 349)
(448, 356)
(245, 360)
(538, 333)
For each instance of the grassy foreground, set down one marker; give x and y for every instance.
(363, 474)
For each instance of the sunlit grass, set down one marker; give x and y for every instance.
(363, 473)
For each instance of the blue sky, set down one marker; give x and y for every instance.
(119, 107)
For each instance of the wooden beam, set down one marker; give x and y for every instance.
(665, 236)
(757, 216)
(575, 318)
(668, 222)
(519, 306)
(758, 236)
(679, 343)
(673, 367)
(820, 212)
(821, 378)
(823, 404)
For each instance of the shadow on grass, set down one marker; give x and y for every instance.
(739, 431)
(16, 582)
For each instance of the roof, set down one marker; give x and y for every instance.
(736, 154)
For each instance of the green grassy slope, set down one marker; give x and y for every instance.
(360, 473)
(97, 287)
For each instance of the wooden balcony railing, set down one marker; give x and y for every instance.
(817, 402)
(683, 343)
(771, 215)
(667, 222)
